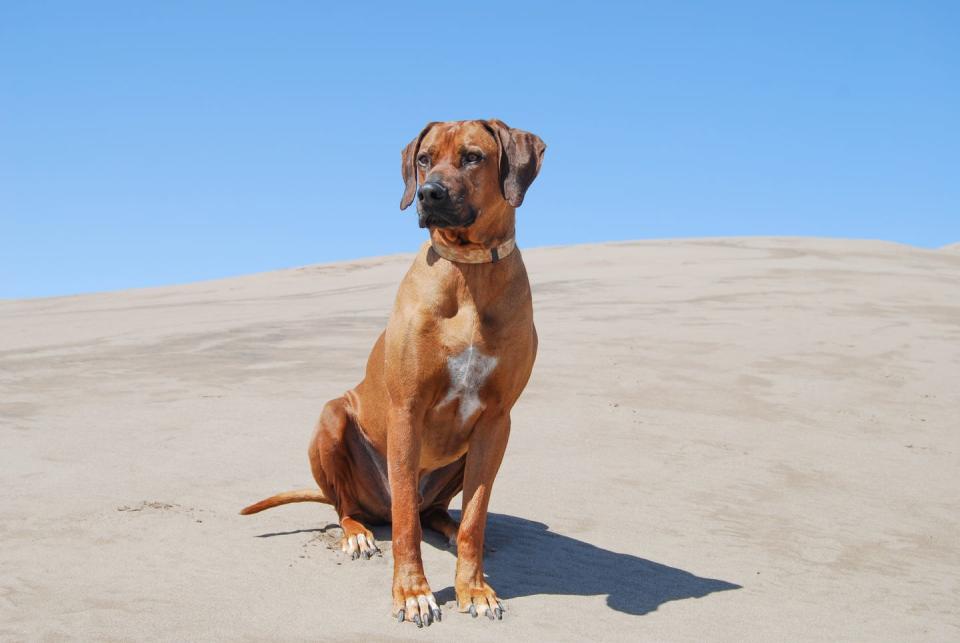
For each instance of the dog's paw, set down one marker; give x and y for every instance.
(414, 602)
(479, 599)
(357, 540)
(360, 545)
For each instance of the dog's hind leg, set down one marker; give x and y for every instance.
(334, 470)
(438, 489)
(439, 520)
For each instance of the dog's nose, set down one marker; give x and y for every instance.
(433, 192)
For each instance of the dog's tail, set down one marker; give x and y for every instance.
(300, 495)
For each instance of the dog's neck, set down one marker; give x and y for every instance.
(489, 240)
(475, 254)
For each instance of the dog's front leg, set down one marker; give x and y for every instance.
(412, 598)
(484, 454)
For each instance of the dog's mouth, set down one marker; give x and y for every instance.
(446, 218)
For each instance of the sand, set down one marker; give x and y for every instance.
(723, 439)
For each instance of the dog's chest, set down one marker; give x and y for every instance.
(468, 371)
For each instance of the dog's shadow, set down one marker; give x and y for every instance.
(525, 558)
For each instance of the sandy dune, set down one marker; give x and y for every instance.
(740, 439)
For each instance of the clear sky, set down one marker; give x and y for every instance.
(146, 143)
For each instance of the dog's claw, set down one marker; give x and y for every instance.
(416, 619)
(436, 613)
(499, 613)
(360, 546)
(489, 613)
(473, 610)
(402, 614)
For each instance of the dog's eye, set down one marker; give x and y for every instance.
(423, 160)
(472, 157)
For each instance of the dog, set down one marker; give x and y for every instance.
(431, 417)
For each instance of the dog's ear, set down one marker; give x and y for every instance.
(521, 154)
(408, 167)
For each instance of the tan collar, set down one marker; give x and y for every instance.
(476, 255)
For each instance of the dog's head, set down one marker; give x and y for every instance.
(466, 169)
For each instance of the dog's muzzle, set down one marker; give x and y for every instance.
(437, 209)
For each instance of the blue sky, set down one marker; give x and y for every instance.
(168, 142)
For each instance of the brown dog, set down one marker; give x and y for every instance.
(432, 415)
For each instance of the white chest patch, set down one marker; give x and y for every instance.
(468, 371)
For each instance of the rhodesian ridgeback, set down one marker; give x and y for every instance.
(431, 417)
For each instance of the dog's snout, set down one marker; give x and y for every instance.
(433, 192)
